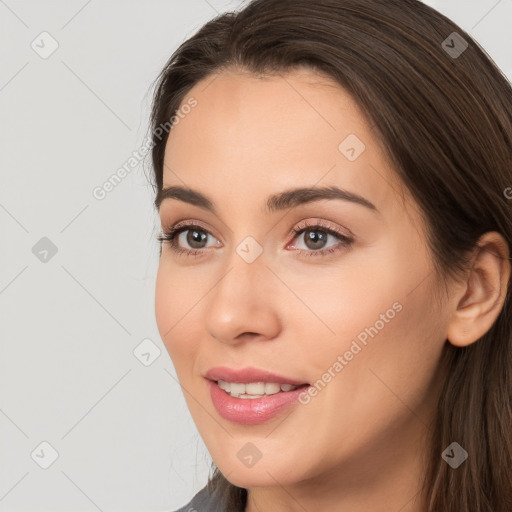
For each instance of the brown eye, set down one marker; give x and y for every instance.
(188, 239)
(315, 238)
(195, 238)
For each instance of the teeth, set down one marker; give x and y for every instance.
(271, 388)
(253, 389)
(236, 389)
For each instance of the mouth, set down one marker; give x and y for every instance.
(255, 400)
(250, 383)
(253, 380)
(253, 390)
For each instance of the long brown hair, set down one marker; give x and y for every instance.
(443, 113)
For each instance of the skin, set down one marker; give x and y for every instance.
(359, 444)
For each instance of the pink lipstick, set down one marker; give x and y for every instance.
(251, 396)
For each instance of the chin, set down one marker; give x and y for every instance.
(255, 478)
(259, 475)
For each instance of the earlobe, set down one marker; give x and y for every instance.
(483, 294)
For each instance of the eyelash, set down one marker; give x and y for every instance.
(170, 235)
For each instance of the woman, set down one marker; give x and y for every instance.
(333, 179)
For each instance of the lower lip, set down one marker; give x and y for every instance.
(250, 411)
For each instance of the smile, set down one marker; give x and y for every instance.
(253, 390)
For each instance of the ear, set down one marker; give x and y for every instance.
(483, 293)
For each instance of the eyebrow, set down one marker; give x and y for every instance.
(280, 201)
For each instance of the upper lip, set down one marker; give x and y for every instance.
(247, 375)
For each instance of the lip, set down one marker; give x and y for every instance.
(247, 375)
(251, 411)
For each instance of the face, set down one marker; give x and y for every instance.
(343, 305)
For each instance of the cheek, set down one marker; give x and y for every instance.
(376, 313)
(339, 303)
(390, 351)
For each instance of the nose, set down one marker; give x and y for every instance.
(243, 304)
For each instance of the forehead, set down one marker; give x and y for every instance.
(237, 106)
(298, 128)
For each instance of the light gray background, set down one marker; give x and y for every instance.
(70, 325)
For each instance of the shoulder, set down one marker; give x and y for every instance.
(203, 501)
